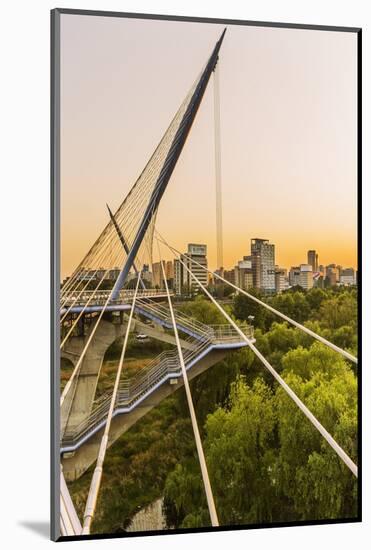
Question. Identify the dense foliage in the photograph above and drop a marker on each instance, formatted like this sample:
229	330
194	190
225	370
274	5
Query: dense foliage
266	462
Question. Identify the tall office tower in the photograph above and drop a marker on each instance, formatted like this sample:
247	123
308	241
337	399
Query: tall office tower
313	260
262	260
196	252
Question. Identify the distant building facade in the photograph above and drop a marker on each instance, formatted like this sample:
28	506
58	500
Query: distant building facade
332	274
183	282
147	275
230	276
312	257
243	273
348	276
301	275
306	276
157	274
178	277
281	280
294	276
262	262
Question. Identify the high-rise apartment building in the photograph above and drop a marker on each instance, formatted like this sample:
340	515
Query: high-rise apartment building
198	253
313	260
262	261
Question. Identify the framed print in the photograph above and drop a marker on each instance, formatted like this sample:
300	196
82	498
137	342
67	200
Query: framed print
206	274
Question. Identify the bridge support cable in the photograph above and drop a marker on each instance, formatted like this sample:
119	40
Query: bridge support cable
135	216
69	522
81	292
101	258
171	158
123	242
327	343
196	433
85	262
65	288
81	312
66	296
218	171
78	364
98	471
330	440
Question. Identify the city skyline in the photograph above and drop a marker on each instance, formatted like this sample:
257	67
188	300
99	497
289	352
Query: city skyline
288	157
277	263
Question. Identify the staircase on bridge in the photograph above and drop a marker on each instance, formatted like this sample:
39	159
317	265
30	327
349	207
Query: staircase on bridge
203	346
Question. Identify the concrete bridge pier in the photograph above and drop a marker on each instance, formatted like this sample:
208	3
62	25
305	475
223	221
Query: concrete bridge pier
77	462
79	402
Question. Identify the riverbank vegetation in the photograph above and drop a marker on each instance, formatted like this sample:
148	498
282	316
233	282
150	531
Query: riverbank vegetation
266	462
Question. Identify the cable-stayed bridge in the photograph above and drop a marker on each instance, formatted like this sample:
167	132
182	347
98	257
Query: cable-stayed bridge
96	310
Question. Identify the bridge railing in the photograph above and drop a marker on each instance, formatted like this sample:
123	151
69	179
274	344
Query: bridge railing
183	321
164	366
131	390
79	298
227	332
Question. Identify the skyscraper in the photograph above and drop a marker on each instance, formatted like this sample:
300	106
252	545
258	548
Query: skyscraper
313	260
263	261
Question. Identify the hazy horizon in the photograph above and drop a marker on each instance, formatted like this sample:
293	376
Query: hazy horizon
288	132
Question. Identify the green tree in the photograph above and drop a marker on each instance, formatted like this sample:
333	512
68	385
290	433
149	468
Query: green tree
308	471
203	310
244	307
339	311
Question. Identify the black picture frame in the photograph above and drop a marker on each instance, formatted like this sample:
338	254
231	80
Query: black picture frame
55	262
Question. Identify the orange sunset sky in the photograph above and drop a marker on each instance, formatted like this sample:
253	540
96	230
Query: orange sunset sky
288	134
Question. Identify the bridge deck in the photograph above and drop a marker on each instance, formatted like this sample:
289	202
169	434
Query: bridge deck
161	370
